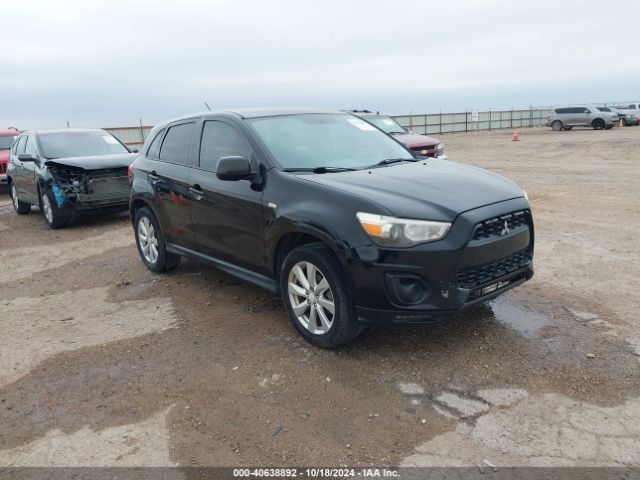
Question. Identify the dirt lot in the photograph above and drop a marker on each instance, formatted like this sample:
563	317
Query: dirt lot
104	363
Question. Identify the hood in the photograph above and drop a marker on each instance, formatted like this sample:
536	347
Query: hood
4	155
427	190
413	140
98	162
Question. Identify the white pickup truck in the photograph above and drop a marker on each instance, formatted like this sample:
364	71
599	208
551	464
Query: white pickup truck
631	109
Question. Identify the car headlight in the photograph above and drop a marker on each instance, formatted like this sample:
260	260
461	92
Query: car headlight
440	149
401	232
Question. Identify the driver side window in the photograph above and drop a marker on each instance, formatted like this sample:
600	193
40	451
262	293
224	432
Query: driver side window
30	147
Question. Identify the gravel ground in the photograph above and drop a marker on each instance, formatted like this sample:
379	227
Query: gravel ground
105	363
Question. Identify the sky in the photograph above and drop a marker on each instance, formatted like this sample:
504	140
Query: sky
111	62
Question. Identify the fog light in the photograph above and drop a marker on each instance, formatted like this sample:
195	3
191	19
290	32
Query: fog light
406	289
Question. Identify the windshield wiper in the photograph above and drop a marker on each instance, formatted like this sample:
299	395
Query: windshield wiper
321	169
389	161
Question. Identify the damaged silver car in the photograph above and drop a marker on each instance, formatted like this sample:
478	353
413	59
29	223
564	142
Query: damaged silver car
68	172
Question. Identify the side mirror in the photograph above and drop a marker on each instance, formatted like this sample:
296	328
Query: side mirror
233	168
27	157
134	150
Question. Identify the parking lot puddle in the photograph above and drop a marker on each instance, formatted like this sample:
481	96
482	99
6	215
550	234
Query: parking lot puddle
518	317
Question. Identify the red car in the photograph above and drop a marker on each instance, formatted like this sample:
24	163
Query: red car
6	140
420	144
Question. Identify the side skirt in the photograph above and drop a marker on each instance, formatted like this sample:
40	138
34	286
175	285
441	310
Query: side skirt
242	273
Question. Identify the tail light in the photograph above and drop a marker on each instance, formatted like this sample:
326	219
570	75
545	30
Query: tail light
130	172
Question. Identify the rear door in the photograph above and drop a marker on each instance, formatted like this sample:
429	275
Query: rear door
27	186
168	166
227	215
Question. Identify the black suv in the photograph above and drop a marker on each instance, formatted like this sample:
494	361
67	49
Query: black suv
326	209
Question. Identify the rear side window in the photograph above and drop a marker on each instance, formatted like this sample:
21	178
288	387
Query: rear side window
560	111
153	148
175	147
219	140
14	147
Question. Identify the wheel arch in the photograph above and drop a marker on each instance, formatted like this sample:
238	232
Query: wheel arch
292	239
135	205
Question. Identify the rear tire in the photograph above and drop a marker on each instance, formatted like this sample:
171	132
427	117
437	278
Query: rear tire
317	297
598	124
151	244
21	208
556	125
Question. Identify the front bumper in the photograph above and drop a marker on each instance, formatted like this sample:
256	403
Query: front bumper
453	274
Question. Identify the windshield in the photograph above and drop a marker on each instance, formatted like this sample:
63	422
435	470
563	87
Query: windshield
309	141
79	144
385	124
6	141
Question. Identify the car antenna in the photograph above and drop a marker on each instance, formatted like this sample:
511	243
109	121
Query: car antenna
207	105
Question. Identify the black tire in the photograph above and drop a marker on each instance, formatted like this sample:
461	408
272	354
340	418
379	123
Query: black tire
21	208
343	326
568	128
54	218
163	261
556	125
598	124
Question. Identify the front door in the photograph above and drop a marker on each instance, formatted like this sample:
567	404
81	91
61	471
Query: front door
26	186
227	215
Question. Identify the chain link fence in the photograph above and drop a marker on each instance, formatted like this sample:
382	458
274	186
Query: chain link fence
473	120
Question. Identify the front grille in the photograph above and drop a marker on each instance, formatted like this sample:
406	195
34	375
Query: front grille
431	151
472	277
494	227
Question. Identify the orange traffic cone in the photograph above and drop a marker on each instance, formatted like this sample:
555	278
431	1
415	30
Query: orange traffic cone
515	137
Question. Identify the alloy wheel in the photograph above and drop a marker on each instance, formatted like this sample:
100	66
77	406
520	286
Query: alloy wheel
46	207
14	197
148	240
311	297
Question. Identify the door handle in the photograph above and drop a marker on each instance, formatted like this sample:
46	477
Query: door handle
196	192
153	175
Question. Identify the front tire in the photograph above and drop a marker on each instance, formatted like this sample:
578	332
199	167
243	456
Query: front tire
19	206
50	211
556	125
317	297
598	124
151	244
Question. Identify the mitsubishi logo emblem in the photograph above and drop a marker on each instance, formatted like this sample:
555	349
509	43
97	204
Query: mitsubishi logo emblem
505	229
